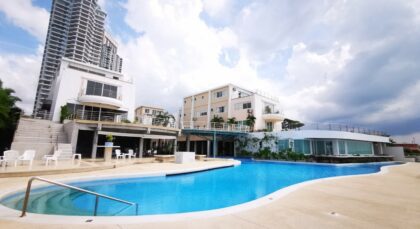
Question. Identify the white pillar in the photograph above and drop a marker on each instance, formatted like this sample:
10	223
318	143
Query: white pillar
95	144
311	147
336	149
195	146
141	147
345	147
175	145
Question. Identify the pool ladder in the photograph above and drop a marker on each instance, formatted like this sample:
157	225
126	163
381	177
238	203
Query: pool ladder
97	195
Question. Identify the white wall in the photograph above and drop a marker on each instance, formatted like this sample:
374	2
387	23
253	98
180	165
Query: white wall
396	151
71	83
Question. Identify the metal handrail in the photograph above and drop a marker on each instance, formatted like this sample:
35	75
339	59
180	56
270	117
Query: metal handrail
28	191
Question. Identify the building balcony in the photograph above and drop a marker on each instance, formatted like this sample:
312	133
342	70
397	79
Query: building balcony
101	100
272	117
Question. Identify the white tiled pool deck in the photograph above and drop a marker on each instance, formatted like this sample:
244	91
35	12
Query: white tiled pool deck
389	199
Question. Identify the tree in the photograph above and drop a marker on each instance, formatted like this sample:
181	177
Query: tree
289	124
64	113
217	119
9	116
231	120
164	119
250	121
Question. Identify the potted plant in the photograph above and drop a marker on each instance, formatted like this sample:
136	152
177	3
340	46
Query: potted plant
109	140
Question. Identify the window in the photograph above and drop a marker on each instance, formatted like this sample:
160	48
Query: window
110	91
146	111
100	89
246	106
221	109
219	94
94	88
203	113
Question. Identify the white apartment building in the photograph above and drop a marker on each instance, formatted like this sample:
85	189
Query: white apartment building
147	114
92	92
231	101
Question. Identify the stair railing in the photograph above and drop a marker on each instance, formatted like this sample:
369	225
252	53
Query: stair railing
97	195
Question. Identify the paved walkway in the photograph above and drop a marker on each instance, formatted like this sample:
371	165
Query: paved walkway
390	200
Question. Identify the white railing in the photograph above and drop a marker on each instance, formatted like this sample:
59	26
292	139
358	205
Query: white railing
42	115
120	118
215	126
338	127
99	116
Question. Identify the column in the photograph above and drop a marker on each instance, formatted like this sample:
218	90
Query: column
311	147
381	149
188	143
208	148
141	147
175	145
234	149
336	149
195	146
214	144
95	144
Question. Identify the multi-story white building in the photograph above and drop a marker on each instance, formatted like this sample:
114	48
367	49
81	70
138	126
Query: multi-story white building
91	91
231	101
75	31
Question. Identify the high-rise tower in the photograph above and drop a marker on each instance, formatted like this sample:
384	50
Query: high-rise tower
75	31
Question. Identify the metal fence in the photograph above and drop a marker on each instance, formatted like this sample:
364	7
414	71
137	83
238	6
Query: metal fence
120	118
215	126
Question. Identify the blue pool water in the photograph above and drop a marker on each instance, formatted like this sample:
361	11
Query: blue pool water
191	192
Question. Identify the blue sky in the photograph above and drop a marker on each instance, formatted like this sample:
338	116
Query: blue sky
331	61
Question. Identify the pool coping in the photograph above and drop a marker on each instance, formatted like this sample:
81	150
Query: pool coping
12	214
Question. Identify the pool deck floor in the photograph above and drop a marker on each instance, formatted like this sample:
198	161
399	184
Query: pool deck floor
386	200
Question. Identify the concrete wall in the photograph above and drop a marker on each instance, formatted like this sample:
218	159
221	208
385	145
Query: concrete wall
396	151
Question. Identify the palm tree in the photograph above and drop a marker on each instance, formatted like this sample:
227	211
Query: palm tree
9	115
164	119
217	119
231	120
250	121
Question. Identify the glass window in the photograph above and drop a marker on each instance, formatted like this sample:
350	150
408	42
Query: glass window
99	89
146	111
246	105
93	88
219	94
221	109
359	147
302	146
110	91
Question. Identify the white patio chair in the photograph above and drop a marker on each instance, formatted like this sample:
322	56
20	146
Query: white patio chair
154	152
130	154
9	156
54	157
149	153
118	154
28	155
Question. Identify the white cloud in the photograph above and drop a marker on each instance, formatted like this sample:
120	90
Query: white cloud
20	72
27	16
178	53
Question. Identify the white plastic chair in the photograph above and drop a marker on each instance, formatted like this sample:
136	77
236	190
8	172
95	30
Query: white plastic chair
130	154
154	152
9	156
28	155
53	157
118	154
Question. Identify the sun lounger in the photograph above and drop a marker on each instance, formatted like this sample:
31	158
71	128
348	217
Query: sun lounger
54	157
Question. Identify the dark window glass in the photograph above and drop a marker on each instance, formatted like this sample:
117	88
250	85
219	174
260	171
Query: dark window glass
110	91
94	88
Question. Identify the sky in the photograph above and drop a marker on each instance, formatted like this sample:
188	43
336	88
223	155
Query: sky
352	62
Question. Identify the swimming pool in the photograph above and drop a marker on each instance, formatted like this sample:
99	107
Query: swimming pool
182	193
